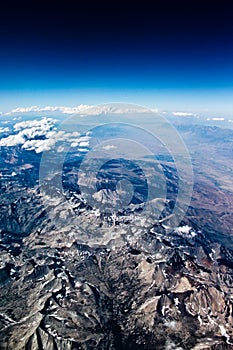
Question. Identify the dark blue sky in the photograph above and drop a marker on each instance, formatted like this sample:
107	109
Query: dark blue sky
173	55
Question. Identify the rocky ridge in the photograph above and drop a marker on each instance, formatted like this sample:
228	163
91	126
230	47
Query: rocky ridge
147	289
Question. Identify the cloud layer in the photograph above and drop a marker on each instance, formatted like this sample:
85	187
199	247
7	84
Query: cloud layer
184	114
81	109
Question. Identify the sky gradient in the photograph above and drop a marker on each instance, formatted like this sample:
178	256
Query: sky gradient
173	56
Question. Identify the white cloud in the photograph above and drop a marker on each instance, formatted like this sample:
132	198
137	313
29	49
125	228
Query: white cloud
185	230
82	141
83	109
2	130
84	144
62	109
83	150
108	147
13	140
42	135
184	114
27	131
216	119
24	109
39	145
44	123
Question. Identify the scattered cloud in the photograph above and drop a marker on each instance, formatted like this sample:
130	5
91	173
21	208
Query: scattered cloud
185	230
39	145
216	119
83	150
26	131
2	130
43	124
42	135
184	114
83	144
13	140
108	147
